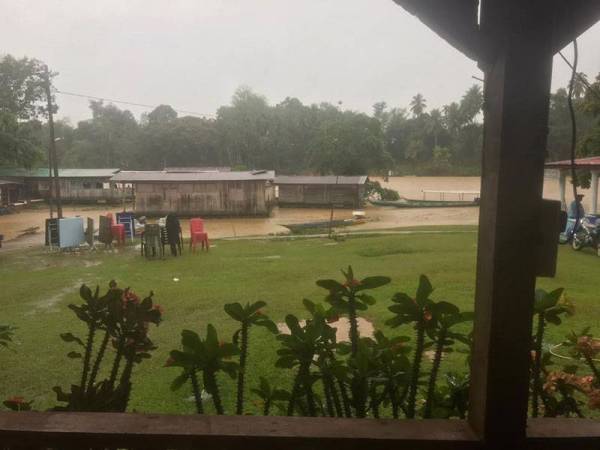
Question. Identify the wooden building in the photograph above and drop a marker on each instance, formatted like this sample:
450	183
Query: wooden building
11	192
76	185
514	43
157	193
321	191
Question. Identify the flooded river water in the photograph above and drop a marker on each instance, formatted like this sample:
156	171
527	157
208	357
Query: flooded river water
13	225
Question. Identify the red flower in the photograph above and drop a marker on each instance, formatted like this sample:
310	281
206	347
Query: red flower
130	297
397	346
259	313
333	319
169	362
159	308
352	283
427	315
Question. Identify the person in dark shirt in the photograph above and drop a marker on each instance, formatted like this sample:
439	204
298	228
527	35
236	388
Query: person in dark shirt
173	232
573	216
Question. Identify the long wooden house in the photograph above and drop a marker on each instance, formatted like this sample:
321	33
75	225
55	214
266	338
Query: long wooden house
201	193
321	191
11	192
76	185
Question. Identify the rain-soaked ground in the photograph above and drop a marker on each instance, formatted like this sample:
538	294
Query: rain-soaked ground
13	226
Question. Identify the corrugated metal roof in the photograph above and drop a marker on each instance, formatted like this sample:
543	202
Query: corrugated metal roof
162	176
593	161
329	179
198	169
62	173
9	182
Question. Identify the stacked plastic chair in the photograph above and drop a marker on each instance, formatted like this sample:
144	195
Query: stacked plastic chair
197	234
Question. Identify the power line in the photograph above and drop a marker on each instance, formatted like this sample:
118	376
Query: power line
583	80
124	102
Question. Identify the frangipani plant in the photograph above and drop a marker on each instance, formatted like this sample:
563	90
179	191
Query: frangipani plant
548	307
124	318
209	357
417	310
298	350
348	298
269	395
446	317
248	316
393	366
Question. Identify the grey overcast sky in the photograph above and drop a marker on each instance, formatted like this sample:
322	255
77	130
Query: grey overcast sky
193	54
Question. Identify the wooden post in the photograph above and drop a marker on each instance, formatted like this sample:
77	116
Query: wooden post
52	148
594	209
517	92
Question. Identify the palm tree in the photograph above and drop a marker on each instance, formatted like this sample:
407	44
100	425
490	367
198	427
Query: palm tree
471	103
580	84
418	105
453	117
435	125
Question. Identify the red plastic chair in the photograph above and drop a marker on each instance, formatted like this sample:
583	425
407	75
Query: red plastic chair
197	234
118	233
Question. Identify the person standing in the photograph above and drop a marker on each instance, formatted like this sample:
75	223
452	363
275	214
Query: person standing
173	232
575	214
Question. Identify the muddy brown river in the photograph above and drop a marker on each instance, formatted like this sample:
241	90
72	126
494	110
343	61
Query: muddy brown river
14	225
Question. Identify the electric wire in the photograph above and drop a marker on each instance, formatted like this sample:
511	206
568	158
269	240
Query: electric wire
124	102
585	82
574	134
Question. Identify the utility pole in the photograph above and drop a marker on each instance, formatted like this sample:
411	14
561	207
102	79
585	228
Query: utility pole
50	184
53	159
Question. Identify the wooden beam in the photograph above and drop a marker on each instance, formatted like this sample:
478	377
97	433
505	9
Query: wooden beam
453	20
517	92
559	434
83	430
573	18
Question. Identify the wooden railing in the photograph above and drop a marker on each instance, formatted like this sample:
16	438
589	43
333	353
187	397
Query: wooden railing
37	430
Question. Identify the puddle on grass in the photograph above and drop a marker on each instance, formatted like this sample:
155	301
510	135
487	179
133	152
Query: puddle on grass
252	258
49	304
91	263
342	325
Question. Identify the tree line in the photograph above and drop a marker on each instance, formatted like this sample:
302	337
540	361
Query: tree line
290	136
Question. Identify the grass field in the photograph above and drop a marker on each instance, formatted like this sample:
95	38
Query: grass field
36	288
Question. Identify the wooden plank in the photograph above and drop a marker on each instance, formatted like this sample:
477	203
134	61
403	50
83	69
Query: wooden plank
516	116
453	20
572	434
231	432
573	18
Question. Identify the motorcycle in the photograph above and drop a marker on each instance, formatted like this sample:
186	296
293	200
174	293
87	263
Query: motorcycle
587	234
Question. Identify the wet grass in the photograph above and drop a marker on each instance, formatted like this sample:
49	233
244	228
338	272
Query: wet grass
36	288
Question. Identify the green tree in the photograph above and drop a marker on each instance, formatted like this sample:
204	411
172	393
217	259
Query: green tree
471	104
22	102
349	144
418	105
108	139
162	114
243	129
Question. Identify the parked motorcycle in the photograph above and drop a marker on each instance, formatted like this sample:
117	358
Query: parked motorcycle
587	234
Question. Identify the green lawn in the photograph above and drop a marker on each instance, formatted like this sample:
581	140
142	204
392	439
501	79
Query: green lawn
36	288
